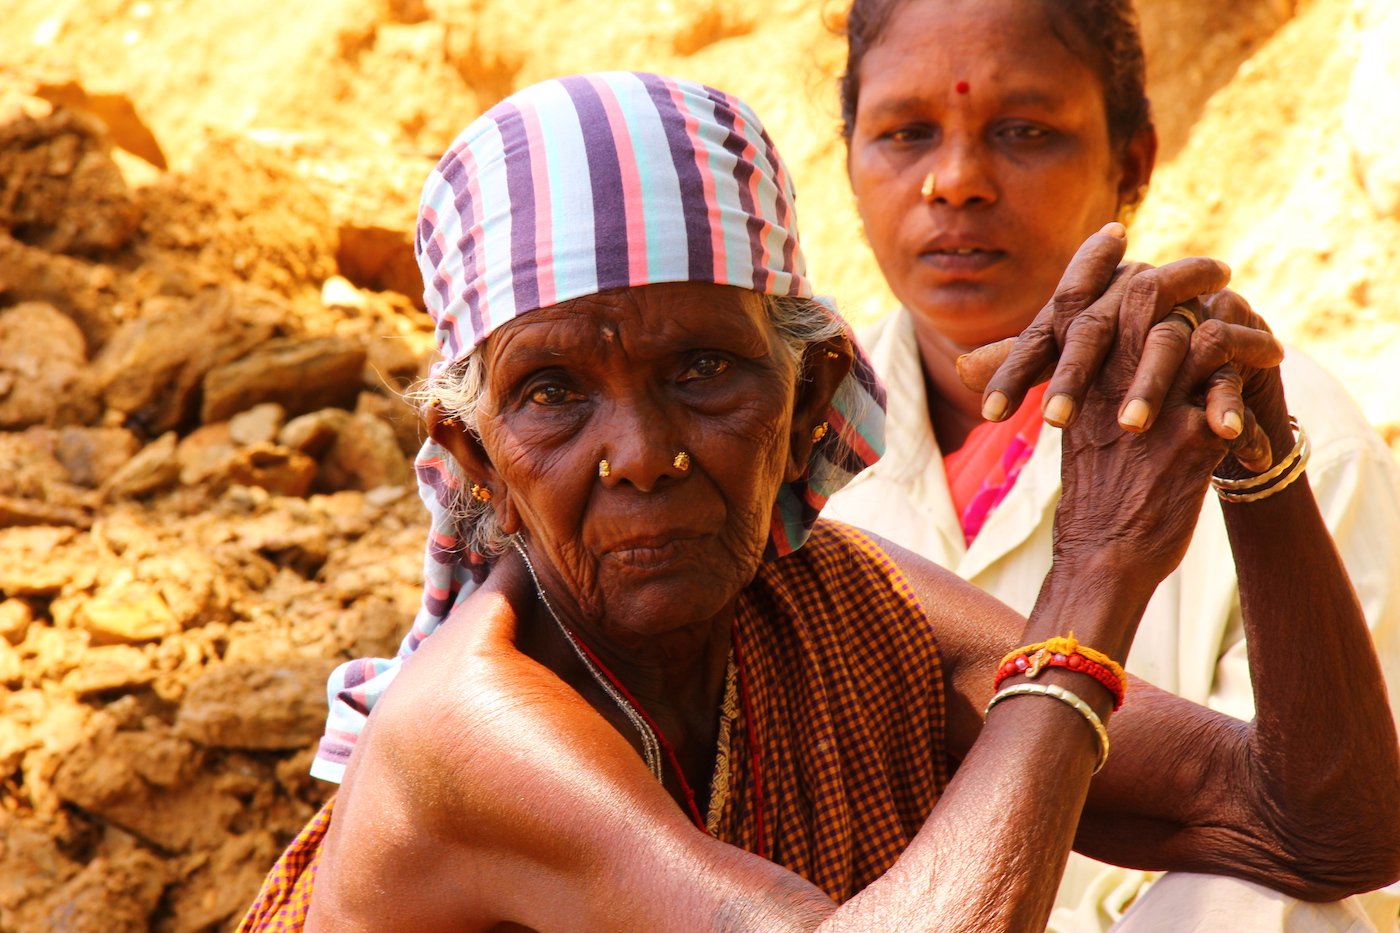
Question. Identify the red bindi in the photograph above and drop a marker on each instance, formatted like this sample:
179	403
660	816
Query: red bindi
962	87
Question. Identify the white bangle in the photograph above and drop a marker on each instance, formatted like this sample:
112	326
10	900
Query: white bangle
1282	474
1066	697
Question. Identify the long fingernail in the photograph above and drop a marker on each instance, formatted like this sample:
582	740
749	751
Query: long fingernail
1059	409
1134	415
1232	423
994	406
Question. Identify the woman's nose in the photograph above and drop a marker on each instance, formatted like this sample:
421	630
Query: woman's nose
641	448
959	175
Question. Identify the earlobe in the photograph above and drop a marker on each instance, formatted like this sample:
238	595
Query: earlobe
1139	159
453	436
824	366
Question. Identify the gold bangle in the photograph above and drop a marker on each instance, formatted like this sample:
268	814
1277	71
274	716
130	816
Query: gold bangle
1066	697
1300	450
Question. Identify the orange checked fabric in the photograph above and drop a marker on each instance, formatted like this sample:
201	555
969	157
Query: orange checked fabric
281	905
847	697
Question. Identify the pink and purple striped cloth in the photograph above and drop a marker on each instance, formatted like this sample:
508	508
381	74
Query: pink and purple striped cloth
565	189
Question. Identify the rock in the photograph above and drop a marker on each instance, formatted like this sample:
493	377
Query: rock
302	375
29	470
153	469
11	666
109	667
398	414
149	783
380	258
256	706
17	512
92	455
122	125
315	432
257	425
392	365
365	454
128	613
37	562
206	453
107	896
152	368
82	290
279	470
15	616
339	292
43	368
59	189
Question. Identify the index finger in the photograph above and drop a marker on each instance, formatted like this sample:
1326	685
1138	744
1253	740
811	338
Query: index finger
1086	277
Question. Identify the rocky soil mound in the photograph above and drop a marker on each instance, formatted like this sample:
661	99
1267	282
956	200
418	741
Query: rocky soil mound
208	313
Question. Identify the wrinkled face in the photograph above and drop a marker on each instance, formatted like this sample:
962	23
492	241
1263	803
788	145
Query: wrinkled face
633	377
1012	124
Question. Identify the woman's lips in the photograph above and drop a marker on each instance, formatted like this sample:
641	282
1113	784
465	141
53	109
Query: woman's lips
653	552
961	260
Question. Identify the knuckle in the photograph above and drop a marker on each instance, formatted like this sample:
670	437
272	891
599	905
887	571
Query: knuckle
1144	288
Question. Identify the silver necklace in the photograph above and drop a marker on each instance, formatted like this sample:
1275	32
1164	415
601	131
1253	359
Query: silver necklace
651	749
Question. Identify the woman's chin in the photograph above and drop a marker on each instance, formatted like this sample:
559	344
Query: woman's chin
971	314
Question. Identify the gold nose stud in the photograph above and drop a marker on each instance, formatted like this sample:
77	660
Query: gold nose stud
682	462
604	469
929	187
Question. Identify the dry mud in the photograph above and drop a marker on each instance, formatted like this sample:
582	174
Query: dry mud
207	314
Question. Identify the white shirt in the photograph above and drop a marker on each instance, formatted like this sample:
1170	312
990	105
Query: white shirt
1191	639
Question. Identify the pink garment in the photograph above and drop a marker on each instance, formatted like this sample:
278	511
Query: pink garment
982	471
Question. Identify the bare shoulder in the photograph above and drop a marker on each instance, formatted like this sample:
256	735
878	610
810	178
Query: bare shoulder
425	806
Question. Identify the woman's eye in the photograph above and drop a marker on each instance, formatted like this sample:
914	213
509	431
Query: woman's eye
550	395
705	367
908	134
1024	132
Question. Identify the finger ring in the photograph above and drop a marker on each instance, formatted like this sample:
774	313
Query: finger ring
1187	315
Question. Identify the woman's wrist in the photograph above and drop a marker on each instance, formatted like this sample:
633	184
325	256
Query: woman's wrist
1098	599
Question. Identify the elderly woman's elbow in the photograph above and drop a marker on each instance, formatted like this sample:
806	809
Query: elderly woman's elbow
1345	866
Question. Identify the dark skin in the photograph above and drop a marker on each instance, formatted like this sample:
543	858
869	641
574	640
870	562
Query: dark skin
498	786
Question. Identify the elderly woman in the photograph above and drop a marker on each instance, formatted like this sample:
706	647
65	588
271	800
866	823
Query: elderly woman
986	141
650	690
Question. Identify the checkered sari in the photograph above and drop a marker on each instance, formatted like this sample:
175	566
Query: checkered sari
846	695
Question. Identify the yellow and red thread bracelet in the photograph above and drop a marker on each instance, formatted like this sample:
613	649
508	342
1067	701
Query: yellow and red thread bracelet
1066	652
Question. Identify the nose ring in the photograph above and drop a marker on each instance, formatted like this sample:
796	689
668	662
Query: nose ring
604	469
682	462
929	187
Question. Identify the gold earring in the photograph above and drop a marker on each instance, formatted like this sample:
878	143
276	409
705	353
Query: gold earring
819	431
1127	211
604	469
682	462
929	187
480	493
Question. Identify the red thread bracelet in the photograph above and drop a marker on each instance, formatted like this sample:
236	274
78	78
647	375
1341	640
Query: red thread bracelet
1025	664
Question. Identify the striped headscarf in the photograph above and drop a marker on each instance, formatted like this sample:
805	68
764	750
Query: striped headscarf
568	188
